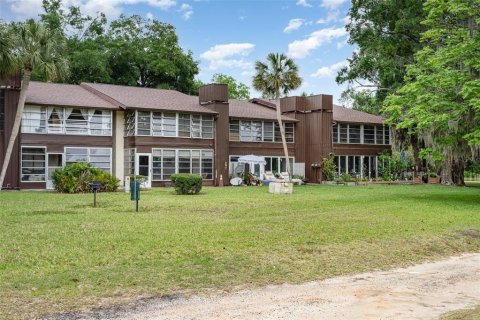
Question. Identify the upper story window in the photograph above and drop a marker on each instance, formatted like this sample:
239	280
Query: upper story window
168	124
360	134
58	120
247	130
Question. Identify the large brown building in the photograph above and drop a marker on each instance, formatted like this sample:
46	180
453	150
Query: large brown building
156	133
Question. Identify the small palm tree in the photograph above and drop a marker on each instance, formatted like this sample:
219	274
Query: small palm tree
279	75
26	47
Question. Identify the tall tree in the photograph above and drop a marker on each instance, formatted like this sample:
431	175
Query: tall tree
387	34
236	90
29	46
440	99
278	75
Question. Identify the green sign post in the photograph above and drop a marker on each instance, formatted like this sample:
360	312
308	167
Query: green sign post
135	191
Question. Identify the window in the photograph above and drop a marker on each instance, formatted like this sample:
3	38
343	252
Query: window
353	133
234	130
33	164
97	157
58	120
245	130
143	123
2	110
288	132
129	161
129	123
207	127
170	161
379	134
387	135
184	125
34	119
278	164
335	134
343	133
369	134
196	125
268	131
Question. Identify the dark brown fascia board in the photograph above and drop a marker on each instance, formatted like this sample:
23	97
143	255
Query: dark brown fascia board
171	110
360	122
263	103
113	108
263	119
103	96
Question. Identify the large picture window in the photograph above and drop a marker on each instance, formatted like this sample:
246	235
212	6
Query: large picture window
98	157
33	166
247	130
58	120
170	161
360	133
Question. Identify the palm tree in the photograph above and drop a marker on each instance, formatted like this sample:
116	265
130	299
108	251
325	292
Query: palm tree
279	75
27	47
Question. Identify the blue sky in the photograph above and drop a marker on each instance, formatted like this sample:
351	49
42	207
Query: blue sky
229	36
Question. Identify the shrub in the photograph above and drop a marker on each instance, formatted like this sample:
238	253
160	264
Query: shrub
329	168
76	178
345	177
185	183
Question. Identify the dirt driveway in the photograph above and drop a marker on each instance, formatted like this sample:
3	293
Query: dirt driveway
423	291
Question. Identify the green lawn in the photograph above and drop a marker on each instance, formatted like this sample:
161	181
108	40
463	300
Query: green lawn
58	253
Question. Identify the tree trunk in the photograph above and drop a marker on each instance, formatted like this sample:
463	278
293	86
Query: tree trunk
282	133
457	172
16	125
447	168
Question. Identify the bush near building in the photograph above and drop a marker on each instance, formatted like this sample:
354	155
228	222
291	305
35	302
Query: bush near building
76	178
187	183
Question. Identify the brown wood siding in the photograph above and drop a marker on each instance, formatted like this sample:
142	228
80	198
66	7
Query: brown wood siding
14	81
319	142
345	149
213	92
33	185
300	137
57	143
12	178
221	145
260	148
145	144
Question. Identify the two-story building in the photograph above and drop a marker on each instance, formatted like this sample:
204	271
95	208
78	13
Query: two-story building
156	133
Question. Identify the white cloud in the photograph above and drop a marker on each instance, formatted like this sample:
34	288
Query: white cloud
293	24
333	16
326	72
228	55
303	3
149	16
332	4
186	10
301	48
112	8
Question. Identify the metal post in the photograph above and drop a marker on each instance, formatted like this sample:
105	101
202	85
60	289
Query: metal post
95	198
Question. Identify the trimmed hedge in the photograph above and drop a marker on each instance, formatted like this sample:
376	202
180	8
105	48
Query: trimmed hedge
75	178
185	183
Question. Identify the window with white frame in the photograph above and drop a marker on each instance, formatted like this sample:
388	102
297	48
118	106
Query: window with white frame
353	133
170	161
59	120
33	164
165	124
98	157
129	161
251	130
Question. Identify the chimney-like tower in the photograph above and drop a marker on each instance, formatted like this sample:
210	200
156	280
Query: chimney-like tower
215	97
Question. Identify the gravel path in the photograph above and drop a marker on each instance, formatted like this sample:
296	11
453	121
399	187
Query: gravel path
423	291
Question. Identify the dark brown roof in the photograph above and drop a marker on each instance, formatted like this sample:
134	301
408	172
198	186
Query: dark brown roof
56	94
149	98
343	114
249	110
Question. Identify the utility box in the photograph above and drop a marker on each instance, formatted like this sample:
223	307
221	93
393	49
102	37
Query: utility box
134	190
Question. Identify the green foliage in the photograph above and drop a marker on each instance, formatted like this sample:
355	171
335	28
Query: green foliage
236	90
391	166
439	100
387	34
185	183
128	51
75	178
345	177
329	168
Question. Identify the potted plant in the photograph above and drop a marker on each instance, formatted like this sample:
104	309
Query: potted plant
433	178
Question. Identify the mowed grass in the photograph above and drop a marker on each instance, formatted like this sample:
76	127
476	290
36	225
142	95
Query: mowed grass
58	253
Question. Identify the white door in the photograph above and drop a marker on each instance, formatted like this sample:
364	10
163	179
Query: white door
55	161
143	167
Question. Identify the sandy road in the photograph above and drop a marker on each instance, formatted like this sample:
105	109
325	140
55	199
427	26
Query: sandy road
423	291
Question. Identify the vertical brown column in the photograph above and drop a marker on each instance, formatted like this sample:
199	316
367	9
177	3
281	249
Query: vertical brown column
215	97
